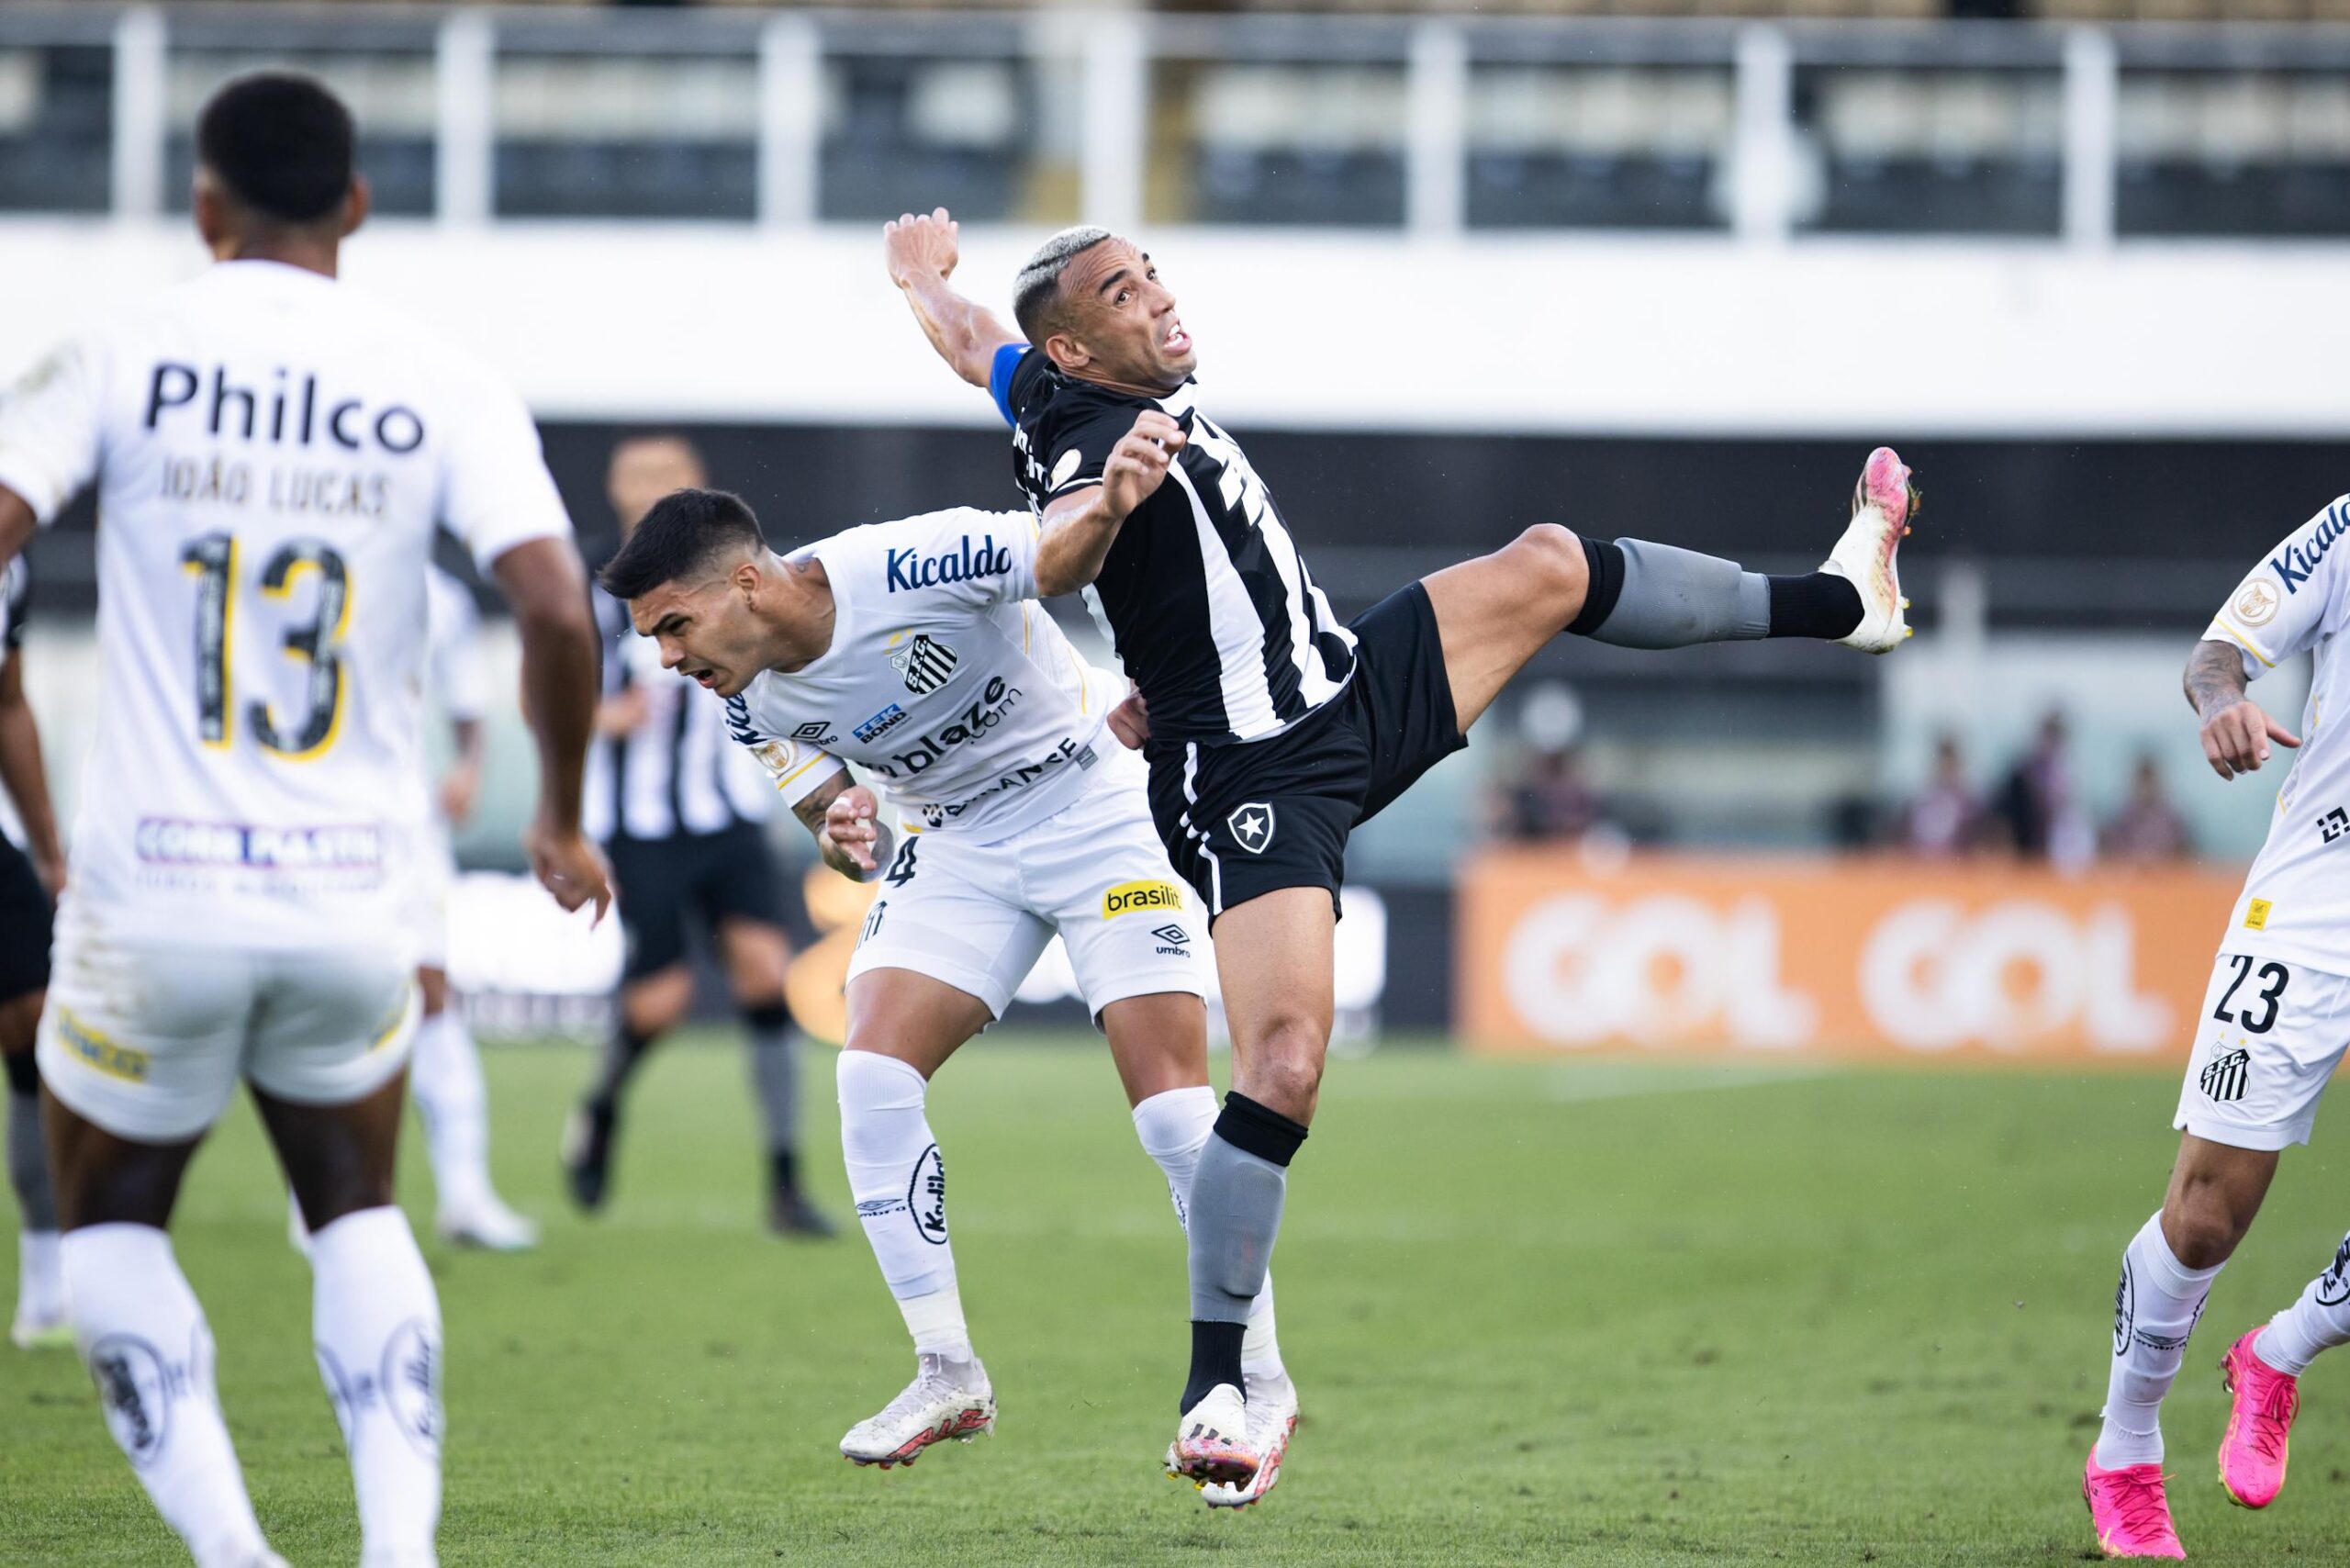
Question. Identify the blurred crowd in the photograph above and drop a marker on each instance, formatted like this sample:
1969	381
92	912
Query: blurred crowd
2032	810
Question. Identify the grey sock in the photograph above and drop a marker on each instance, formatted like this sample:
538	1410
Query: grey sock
1673	598
1235	1215
28	1163
774	1075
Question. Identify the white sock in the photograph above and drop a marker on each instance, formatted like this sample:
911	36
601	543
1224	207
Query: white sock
40	1274
2154	1309
444	1074
1174	1127
2318	1321
144	1339
376	1323
899	1184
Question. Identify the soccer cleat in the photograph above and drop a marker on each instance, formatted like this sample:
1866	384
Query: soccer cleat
1273	1418
1882	503
2253	1454
788	1214
947	1399
588	1155
2129	1510
45	1330
488	1225
1211	1441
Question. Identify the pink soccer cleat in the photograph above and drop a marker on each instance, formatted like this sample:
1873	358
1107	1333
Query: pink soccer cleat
2251	1456
2129	1511
1883	504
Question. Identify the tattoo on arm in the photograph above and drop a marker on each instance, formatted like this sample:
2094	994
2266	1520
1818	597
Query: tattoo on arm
2215	677
812	806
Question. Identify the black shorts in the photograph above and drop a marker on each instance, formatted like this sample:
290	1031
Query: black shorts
725	875
24	913
1241	819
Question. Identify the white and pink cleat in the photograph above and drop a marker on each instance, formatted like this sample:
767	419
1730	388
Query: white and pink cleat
1882	503
2253	1454
2130	1511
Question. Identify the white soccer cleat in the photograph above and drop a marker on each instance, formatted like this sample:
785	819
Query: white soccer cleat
947	1399
1211	1441
40	1329
1882	503
40	1323
1273	1418
486	1223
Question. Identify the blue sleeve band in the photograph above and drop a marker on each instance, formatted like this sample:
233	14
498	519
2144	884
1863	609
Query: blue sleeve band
1007	359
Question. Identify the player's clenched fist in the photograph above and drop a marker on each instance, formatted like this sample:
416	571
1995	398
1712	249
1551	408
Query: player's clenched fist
1139	463
850	827
915	246
2235	739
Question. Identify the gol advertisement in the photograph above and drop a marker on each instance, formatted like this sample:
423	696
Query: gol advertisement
1867	959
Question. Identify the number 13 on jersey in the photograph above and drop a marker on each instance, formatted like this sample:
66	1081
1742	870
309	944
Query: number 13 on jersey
212	561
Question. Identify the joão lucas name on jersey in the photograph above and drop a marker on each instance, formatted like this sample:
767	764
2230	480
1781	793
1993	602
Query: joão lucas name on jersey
910	570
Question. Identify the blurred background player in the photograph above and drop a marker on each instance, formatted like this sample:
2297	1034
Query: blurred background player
30	884
445	1075
915	649
2273	1026
684	820
243	906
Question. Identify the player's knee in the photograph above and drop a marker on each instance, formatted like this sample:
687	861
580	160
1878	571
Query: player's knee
432	988
2204	1222
1549	561
1285	1068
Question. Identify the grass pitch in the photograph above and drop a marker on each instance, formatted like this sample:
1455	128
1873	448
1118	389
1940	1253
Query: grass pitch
1540	1312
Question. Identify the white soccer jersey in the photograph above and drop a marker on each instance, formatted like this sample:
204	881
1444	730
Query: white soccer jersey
2297	898
944	679
272	450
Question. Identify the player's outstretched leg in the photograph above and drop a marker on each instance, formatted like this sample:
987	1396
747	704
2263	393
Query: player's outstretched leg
1495	613
2263	1374
446	1076
1174	1127
41	1320
899	1183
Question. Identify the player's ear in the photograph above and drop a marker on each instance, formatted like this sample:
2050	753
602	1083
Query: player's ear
1066	353
357	203
212	211
748	578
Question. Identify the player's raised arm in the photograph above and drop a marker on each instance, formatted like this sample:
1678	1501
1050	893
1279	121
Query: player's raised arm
921	253
546	585
1081	525
2282	607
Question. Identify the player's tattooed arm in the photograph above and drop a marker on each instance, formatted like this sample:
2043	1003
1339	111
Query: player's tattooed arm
921	253
841	816
1079	527
2235	732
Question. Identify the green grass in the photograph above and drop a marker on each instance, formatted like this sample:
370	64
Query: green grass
1587	1313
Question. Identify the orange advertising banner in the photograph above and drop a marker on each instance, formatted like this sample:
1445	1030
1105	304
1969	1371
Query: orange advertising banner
1848	958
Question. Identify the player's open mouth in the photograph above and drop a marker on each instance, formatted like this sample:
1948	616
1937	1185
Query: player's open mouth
1177	340
705	677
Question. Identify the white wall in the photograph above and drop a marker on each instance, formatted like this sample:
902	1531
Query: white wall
1602	335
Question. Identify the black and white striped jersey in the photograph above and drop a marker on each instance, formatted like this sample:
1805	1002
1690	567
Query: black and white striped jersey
678	771
1203	593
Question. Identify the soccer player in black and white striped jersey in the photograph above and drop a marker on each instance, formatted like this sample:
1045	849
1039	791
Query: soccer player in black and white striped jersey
1274	729
681	814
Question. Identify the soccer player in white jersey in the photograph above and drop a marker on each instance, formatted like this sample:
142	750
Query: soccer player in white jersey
2273	1026
270	452
914	650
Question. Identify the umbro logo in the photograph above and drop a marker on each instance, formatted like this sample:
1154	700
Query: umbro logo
2334	825
817	734
925	663
2223	1080
1253	826
1174	933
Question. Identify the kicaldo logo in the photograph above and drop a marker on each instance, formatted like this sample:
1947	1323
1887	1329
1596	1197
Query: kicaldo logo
1793	958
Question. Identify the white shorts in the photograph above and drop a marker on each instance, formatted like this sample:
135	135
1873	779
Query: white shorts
2266	1043
979	915
148	1039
